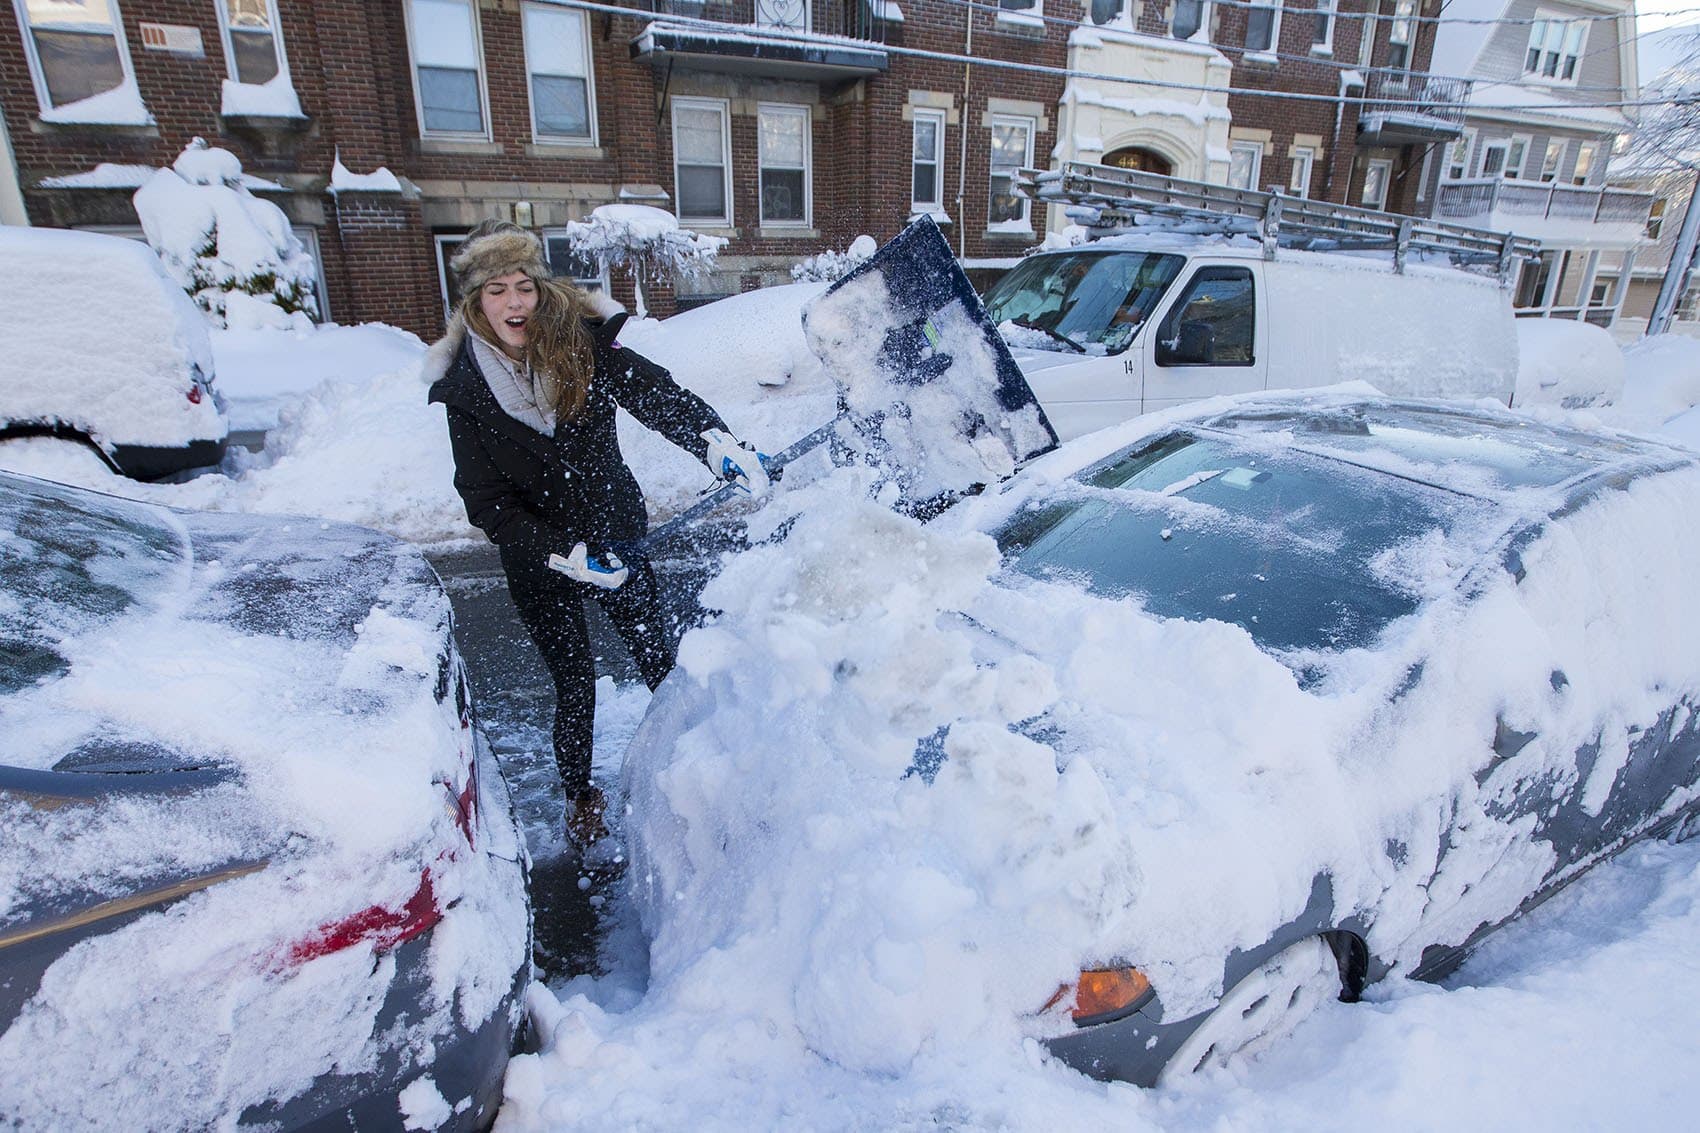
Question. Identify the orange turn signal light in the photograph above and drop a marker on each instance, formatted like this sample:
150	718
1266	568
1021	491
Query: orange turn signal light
1102	993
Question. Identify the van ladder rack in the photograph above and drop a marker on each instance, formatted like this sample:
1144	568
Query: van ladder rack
1106	200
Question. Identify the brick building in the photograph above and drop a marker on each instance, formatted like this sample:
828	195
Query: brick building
785	126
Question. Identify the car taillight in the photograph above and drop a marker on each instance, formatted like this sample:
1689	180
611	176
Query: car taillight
194	395
381	926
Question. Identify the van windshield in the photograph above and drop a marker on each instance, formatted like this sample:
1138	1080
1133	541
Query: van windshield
1080	302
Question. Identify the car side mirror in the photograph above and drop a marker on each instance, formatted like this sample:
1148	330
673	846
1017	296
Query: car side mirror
1194	345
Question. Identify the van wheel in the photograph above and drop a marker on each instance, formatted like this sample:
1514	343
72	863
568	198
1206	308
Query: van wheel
1261	1010
69	458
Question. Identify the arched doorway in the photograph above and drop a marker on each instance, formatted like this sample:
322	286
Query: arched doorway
1140	158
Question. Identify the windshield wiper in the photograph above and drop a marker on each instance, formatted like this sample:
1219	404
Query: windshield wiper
1058	335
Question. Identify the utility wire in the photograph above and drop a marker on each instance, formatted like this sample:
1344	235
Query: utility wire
810	38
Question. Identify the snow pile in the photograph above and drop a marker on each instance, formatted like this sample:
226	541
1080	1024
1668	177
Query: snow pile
344	180
1566	362
831	266
1662	382
262	373
116	351
118	106
234	253
275	98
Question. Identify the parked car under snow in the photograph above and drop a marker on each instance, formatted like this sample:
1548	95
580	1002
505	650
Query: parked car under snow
257	865
103	348
1205	719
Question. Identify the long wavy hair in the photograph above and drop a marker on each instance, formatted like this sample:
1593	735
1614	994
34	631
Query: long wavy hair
558	345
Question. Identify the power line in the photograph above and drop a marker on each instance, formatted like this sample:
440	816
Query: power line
810	38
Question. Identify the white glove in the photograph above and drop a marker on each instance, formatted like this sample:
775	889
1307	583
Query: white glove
736	462
604	570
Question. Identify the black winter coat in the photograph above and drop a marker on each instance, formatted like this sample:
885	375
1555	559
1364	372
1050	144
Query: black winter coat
534	494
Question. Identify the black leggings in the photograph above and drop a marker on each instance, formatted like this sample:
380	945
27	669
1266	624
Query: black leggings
552	608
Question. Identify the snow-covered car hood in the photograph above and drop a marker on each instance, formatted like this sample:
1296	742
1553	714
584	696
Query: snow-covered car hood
1115	787
1036	361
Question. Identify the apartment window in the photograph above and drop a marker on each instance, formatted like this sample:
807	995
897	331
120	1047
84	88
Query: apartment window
1493	158
1106	11
76	49
447	74
1552	159
1377	176
557	61
1304	159
702	169
1399	33
1584	163
927	162
1034	8
448	286
1555	48
1322	33
1012	149
253	43
792	15
1262	25
1656	218
1516	156
1458	156
1601	294
1189	18
565	263
783	158
1505	157
1245	161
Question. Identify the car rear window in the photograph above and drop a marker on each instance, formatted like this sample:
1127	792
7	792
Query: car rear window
1303	552
71	560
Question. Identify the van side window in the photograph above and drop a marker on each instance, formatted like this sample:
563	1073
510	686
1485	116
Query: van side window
1212	322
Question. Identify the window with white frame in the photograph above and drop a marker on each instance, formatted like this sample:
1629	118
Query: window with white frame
1189	19
565	263
1322	33
1555	48
1012	149
76	49
253	41
1656	218
1245	162
1107	11
1399	31
1517	155
447	69
702	167
1584	163
1378	175
782	144
1493	158
1458	156
1304	160
1262	25
1553	158
926	193
557	62
1035	8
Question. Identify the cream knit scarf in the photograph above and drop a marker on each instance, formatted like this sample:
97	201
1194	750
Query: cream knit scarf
518	390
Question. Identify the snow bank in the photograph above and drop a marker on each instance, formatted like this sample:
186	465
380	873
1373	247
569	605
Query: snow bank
1568	363
264	371
116	351
1662	378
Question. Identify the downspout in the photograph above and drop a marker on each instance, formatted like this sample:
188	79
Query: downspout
1346	80
962	156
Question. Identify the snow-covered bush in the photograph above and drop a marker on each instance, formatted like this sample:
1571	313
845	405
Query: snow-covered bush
643	241
831	266
218	240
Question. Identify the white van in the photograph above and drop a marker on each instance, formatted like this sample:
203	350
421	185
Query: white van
1128	324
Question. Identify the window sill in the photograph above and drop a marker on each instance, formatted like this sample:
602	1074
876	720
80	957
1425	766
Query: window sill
940	217
458	146
1262	58
1009	233
267	123
566	151
104	129
1023	24
710	227
1327	51
787	232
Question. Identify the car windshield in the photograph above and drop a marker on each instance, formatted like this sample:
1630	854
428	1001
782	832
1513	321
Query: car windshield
1303	552
71	560
1096	301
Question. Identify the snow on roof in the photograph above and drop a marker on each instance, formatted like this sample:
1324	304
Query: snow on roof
109	175
1458	45
749	34
1197	111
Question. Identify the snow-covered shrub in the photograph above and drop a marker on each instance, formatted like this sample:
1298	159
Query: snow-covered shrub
643	241
831	266
218	240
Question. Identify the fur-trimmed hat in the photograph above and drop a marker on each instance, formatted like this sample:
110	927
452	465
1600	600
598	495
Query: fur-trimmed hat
495	248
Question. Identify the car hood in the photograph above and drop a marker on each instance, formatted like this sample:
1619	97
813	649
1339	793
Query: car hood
1037	361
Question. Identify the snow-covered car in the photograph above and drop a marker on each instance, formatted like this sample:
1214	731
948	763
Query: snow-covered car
102	347
1204	720
257	865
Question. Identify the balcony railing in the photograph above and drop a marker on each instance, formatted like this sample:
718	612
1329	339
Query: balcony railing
854	19
1510	201
1402	108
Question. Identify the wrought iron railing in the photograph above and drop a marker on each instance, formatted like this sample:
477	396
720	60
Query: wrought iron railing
855	19
1392	91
